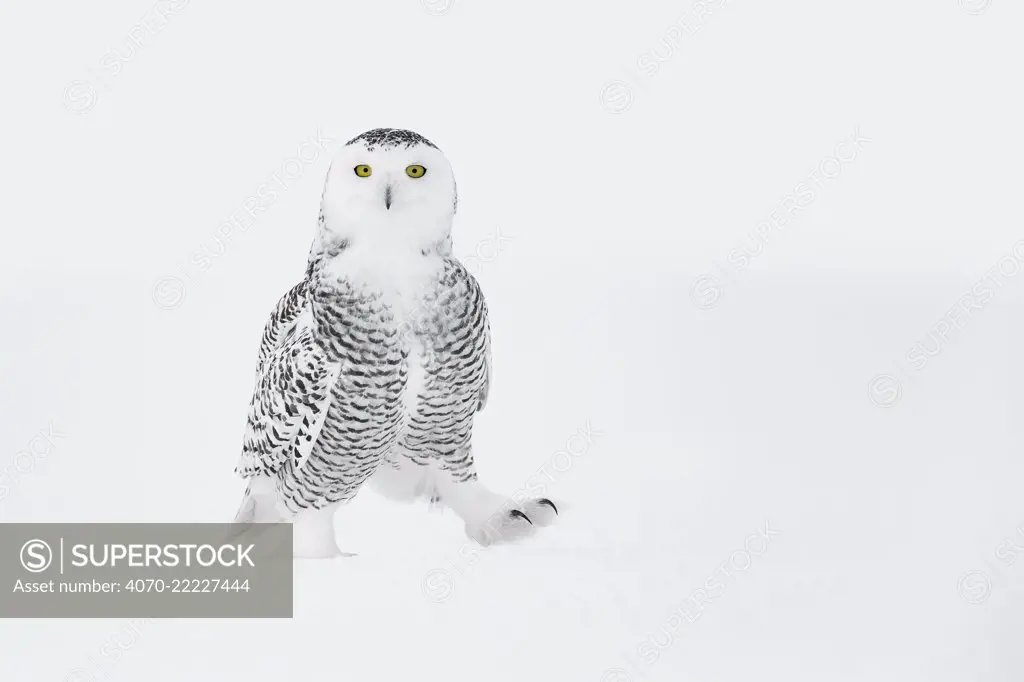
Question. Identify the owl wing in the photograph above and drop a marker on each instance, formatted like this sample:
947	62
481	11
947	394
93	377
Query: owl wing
291	398
479	329
282	319
486	390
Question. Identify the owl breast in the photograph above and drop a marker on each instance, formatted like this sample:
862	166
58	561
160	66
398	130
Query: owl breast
413	364
447	351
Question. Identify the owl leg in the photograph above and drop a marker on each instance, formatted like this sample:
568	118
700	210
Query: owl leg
489	516
300	490
313	534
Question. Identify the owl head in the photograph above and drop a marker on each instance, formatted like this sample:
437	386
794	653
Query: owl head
389	187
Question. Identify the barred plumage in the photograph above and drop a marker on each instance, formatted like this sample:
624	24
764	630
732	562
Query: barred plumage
374	365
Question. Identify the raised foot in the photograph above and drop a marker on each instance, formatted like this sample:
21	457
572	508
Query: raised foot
513	521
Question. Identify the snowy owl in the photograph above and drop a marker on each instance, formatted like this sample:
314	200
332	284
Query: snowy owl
374	365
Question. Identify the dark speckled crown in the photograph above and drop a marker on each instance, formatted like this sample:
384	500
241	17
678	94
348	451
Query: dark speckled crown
389	138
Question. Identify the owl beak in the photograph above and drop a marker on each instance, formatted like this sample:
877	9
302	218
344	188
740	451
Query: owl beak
387	197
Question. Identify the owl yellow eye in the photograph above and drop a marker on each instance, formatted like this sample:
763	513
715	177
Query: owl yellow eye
415	171
363	171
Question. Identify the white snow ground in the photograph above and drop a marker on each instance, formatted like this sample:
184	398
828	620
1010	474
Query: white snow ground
616	192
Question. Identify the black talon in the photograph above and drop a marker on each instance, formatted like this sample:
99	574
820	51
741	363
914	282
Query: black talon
548	502
516	512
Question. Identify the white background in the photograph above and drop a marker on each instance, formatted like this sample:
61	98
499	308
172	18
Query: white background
718	405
